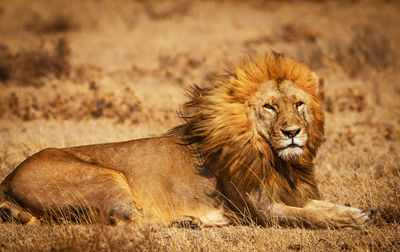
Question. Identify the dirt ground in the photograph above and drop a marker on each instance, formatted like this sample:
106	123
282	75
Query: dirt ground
83	72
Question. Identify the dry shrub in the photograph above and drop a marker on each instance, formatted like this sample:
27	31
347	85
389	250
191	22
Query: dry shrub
27	67
369	49
119	105
66	102
169	63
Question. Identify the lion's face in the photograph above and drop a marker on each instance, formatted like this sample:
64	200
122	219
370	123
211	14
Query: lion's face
282	115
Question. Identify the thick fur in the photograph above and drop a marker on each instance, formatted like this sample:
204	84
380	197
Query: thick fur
245	151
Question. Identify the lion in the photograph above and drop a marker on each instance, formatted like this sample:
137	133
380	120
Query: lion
244	153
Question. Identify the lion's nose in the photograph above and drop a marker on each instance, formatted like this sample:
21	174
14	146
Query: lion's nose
291	133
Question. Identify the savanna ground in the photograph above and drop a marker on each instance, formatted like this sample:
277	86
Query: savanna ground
83	72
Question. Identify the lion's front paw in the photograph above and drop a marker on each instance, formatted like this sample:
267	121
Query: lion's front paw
344	216
189	222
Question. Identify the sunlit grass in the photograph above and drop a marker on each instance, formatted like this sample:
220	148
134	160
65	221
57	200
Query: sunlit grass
124	78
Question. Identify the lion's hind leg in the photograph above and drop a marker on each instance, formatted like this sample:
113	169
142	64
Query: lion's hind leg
104	197
56	185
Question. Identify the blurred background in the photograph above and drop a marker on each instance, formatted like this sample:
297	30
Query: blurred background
82	72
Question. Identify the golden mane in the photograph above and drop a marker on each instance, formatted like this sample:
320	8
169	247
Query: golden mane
218	128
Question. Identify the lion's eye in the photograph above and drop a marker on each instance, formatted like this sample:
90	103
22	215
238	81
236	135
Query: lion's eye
298	104
270	107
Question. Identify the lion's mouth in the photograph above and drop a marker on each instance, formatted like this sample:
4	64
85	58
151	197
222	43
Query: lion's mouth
290	151
292	145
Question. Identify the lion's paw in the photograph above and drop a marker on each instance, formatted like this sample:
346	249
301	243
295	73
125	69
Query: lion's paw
344	216
187	222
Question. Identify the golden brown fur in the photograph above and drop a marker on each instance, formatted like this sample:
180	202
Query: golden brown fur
247	145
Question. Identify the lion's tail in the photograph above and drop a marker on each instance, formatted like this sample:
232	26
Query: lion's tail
3	189
4	210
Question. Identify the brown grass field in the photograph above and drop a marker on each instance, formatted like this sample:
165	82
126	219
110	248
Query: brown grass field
83	72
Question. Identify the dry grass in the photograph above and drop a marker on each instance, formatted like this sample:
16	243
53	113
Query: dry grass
28	67
90	72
